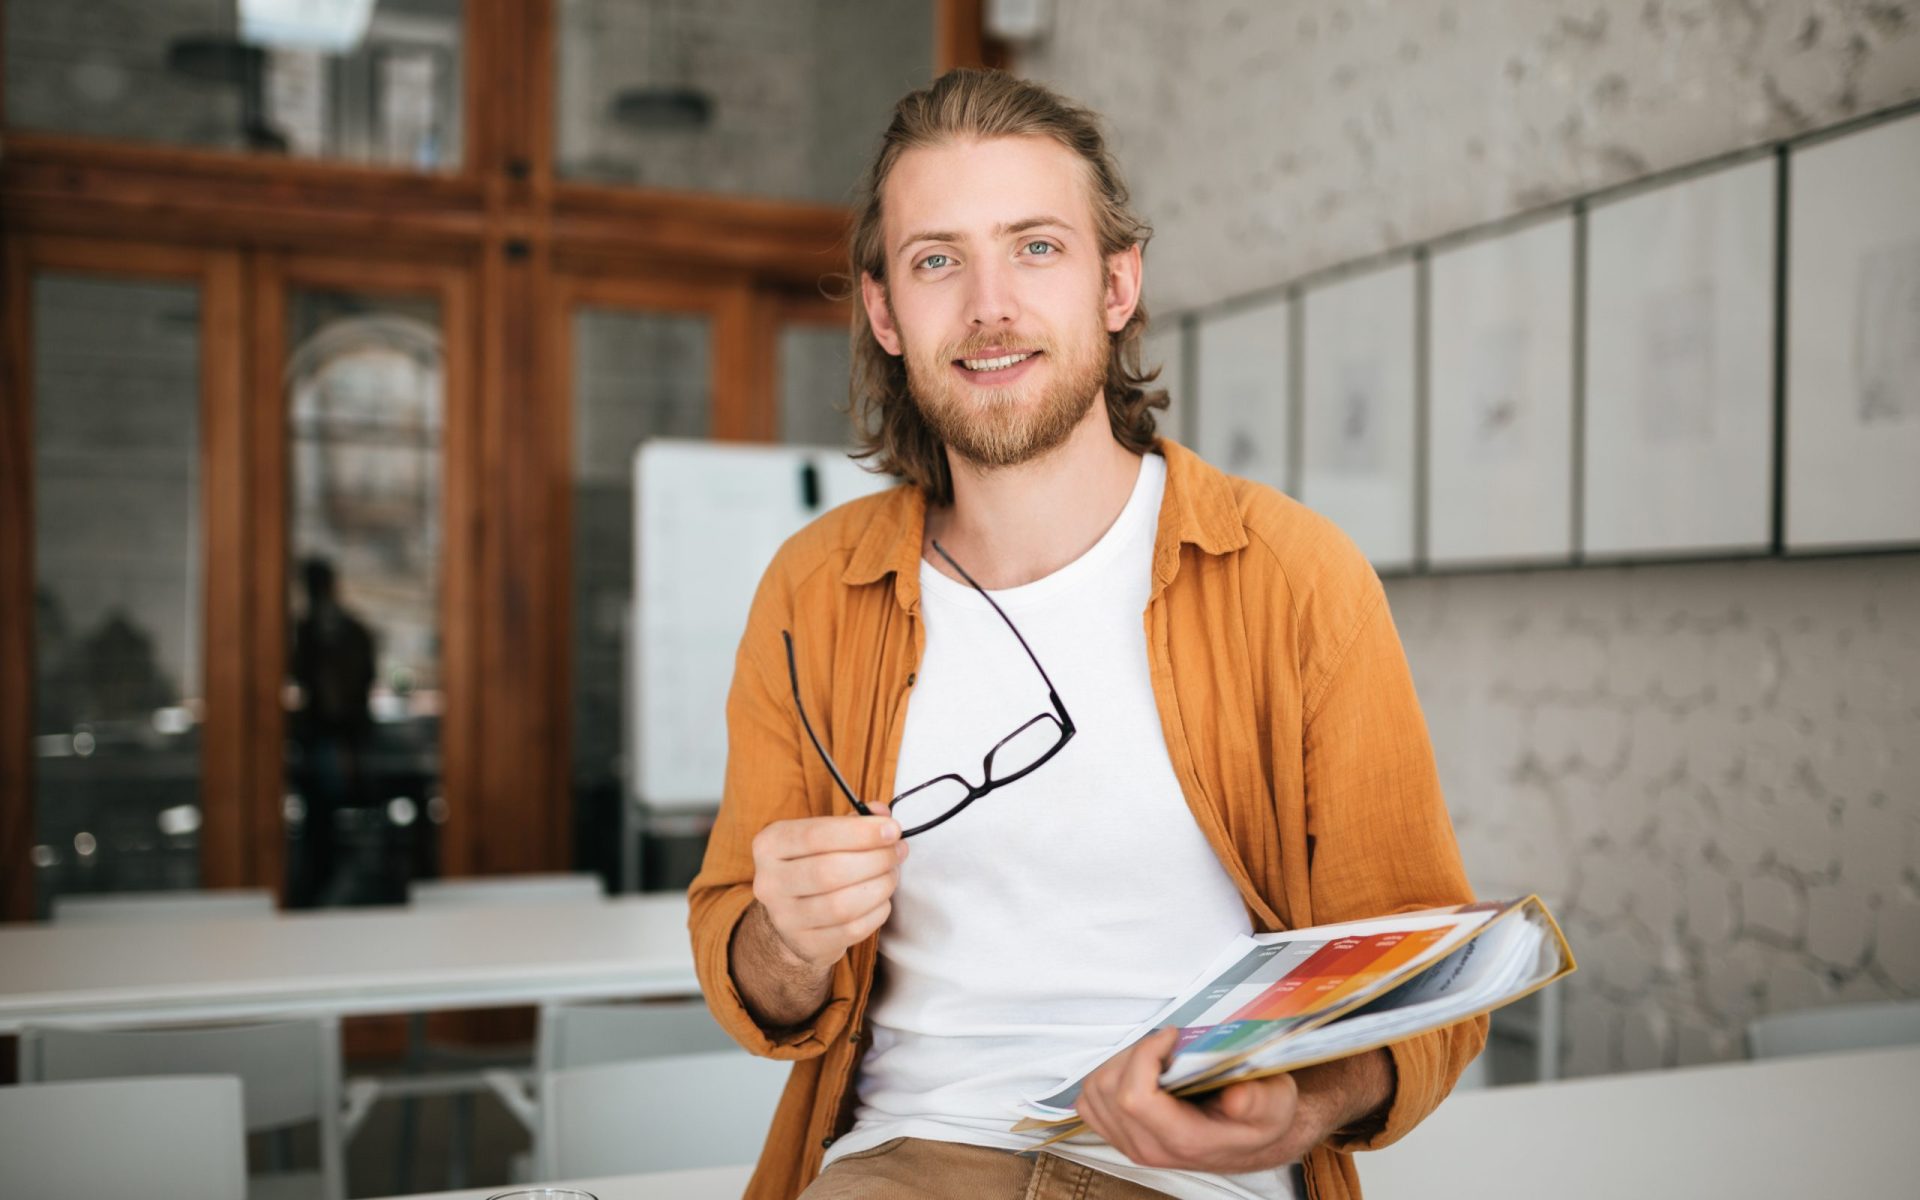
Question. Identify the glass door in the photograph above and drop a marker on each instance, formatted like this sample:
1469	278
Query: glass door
118	519
360	637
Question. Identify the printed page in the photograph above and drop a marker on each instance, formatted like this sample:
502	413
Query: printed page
1274	984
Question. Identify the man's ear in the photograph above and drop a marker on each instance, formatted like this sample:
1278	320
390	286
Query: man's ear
873	295
1122	293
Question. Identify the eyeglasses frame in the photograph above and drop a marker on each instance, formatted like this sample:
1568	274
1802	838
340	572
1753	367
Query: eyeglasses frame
1059	716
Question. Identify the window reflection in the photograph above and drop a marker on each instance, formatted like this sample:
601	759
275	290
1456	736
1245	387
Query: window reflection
780	100
354	80
117	576
366	395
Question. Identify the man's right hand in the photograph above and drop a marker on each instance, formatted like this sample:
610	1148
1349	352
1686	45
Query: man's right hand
822	884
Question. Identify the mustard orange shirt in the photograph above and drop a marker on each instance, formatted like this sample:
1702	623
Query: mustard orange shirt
1288	710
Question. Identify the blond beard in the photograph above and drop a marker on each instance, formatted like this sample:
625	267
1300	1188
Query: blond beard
990	427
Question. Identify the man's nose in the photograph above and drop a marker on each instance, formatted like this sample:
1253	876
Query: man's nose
993	299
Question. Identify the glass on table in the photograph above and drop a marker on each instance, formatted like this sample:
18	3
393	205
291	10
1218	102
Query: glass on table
544	1193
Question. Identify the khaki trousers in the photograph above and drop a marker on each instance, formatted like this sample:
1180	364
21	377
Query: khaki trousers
917	1169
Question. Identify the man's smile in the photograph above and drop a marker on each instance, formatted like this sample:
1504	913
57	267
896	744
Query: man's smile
996	368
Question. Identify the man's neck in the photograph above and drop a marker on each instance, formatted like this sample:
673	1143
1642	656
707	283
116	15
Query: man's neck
1014	525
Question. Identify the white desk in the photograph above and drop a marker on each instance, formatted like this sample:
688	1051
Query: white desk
345	962
705	1183
1823	1125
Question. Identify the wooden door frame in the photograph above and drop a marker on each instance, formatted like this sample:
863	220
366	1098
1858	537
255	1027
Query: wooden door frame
452	287
224	502
525	238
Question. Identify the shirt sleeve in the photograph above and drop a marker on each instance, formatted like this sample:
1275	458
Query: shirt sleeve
1379	838
765	782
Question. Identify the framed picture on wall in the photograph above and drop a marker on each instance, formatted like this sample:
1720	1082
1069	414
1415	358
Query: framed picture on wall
1500	397
1242	400
1165	346
1678	438
1853	339
1357	409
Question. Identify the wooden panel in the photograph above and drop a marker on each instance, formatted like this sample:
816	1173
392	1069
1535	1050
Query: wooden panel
16	585
68	185
461	508
602	229
227	853
960	39
266	334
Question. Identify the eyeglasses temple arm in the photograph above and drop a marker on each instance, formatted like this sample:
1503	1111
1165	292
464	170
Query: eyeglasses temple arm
793	676
1052	694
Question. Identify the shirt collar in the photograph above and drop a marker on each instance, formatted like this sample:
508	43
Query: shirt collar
1199	508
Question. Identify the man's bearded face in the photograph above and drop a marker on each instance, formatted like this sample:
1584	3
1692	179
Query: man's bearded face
1003	423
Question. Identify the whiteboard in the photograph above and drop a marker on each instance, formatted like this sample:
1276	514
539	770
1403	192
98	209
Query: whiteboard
708	518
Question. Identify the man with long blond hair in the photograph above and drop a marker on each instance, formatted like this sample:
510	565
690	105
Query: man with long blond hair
1124	706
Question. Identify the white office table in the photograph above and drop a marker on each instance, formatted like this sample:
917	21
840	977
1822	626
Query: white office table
345	962
702	1183
1821	1125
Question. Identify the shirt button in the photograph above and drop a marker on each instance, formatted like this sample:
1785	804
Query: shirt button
911	677
826	1143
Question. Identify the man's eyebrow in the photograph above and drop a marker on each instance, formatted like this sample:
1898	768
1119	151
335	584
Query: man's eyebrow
1001	230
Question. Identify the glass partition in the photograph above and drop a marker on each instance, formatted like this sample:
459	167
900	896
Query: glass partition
815	364
636	375
117	585
347	80
773	98
366	403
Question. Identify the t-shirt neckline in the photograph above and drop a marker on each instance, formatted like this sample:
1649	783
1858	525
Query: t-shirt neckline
1139	516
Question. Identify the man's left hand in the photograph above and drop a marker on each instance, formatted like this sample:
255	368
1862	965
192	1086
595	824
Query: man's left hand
1249	1126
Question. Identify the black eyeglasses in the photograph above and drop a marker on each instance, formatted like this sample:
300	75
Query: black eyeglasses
1013	757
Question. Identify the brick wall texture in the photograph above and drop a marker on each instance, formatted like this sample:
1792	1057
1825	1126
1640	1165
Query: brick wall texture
1711	771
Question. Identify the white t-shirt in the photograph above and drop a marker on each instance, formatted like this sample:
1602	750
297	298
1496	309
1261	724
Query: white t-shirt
1035	929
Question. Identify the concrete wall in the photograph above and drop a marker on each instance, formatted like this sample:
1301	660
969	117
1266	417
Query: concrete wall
1710	771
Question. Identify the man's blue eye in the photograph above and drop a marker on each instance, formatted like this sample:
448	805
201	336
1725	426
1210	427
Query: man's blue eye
1043	248
928	260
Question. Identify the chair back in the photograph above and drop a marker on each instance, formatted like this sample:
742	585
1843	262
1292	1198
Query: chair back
550	888
1834	1028
585	1035
158	1139
656	1114
289	1070
120	908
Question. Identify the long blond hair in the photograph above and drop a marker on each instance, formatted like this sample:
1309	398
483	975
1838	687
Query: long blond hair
974	103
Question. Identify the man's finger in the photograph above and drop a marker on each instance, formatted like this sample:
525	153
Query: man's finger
1143	1064
1132	1110
824	874
843	907
825	835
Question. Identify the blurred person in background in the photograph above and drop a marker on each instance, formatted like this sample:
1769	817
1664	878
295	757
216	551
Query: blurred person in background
333	663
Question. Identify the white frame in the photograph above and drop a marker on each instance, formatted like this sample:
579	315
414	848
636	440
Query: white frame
1852	459
1358	348
1500	328
1241	397
1679	378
